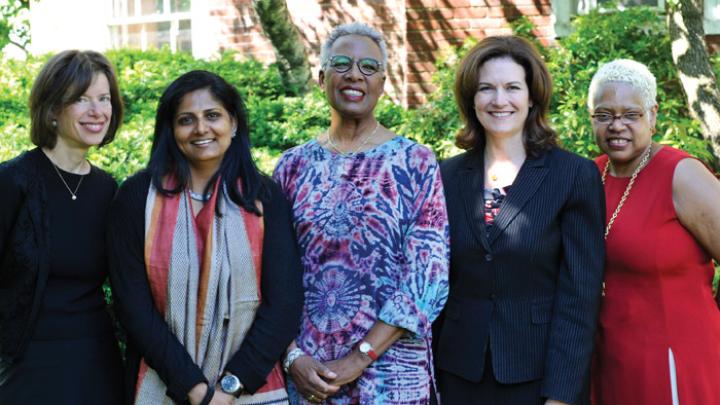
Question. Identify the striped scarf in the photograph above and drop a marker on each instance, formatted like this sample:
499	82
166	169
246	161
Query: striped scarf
200	271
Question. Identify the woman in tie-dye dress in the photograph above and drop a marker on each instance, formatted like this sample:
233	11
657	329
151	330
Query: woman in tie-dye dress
369	214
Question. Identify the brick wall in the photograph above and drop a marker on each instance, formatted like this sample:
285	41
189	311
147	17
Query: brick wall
434	25
417	31
237	27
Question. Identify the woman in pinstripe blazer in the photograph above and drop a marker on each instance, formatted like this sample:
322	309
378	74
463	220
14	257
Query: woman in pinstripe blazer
526	230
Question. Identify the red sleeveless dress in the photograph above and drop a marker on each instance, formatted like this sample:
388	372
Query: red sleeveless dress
658	299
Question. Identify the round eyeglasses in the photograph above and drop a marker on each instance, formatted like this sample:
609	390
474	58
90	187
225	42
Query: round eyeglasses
627	118
367	66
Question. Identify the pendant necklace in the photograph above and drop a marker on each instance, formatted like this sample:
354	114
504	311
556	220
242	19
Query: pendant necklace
73	193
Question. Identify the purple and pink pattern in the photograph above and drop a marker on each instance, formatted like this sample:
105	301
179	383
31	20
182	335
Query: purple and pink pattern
374	234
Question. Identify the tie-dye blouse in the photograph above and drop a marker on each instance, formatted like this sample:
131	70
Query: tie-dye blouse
374	236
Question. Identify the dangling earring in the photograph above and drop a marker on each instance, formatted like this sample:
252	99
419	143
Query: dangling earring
234	133
54	123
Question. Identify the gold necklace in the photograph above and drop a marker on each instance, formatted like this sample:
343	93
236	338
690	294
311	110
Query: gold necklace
362	144
643	163
72	193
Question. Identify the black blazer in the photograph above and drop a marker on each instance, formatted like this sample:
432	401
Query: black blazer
529	289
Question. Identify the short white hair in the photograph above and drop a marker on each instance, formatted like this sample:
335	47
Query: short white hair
355	28
628	71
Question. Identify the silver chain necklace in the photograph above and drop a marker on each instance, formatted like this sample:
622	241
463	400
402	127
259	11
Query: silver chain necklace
362	144
199	197
73	193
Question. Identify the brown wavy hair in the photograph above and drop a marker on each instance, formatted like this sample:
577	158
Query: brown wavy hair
537	136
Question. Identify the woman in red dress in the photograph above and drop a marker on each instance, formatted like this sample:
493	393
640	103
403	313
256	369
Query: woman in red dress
659	332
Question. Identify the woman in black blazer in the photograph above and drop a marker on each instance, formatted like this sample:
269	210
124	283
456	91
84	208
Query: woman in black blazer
527	253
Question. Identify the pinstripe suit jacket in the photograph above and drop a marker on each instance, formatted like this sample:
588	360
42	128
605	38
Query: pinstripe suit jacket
529	289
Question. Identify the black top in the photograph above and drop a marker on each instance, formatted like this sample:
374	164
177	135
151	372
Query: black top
73	304
276	321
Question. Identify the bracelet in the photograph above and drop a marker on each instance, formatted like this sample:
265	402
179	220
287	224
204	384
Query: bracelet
208	395
291	357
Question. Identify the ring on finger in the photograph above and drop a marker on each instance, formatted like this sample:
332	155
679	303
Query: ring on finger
312	398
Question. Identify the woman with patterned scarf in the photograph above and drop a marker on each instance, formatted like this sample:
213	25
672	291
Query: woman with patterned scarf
204	264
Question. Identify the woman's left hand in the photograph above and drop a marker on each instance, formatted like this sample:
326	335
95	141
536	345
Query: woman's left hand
348	368
554	402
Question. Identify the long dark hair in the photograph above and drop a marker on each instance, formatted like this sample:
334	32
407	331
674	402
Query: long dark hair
167	159
538	136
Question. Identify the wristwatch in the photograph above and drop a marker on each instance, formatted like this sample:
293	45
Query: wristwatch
230	384
367	349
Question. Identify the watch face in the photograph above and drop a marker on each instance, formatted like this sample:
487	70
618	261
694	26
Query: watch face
364	347
230	384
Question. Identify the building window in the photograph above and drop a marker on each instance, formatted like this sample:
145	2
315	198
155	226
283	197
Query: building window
146	24
564	10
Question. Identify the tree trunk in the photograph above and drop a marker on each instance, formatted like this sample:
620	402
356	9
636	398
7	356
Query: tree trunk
289	49
685	23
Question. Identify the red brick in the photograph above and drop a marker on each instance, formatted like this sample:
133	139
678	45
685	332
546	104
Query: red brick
429	13
419	77
416	99
498	31
422	3
490	3
456	3
423	66
470	12
435	24
504	12
489	23
421	53
439	36
417	13
544	9
423	87
713	43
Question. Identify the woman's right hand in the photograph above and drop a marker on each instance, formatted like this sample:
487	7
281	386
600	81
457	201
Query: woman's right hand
312	379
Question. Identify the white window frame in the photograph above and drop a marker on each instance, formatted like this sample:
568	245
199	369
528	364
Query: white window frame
123	21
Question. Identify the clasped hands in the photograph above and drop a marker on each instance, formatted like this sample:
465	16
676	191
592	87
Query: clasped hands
318	381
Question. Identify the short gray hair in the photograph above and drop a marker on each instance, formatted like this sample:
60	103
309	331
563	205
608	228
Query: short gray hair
355	28
628	71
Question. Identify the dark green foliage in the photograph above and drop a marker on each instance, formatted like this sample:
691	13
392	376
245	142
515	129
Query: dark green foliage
290	51
638	33
279	121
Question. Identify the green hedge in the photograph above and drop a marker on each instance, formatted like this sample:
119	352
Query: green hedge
280	120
